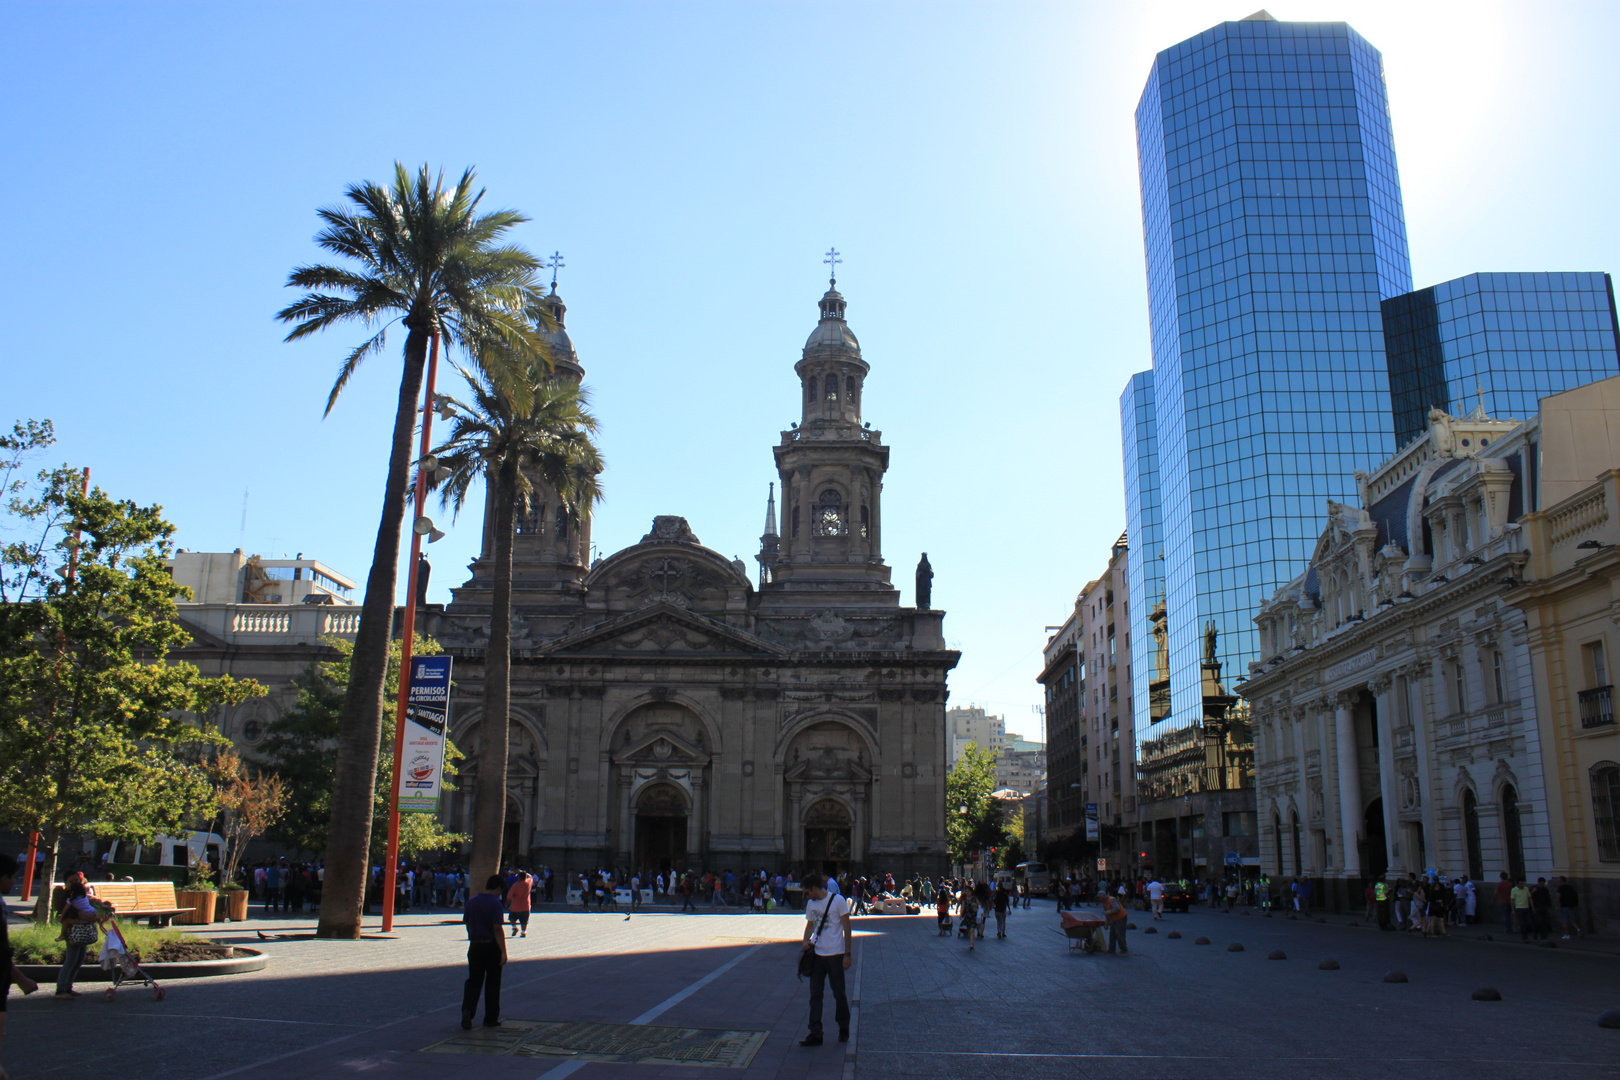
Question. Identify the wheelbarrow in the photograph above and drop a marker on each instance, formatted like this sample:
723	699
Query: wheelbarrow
1084	930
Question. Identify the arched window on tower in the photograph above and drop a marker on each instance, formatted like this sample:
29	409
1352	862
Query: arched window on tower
866	522
832	387
810	394
849	387
829	519
562	522
795	522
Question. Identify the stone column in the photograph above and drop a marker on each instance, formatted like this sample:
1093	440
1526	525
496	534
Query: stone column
1389	784
1417	713
795	822
627	817
1298	718
1349	785
694	820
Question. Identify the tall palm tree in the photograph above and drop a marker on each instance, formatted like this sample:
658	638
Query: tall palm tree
422	255
515	443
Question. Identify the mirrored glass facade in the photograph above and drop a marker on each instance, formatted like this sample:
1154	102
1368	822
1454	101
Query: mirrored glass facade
1503	341
1144	564
1273	231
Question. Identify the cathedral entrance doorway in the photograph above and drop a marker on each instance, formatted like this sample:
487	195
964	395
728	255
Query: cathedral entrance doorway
827	838
661	829
1375	853
512	833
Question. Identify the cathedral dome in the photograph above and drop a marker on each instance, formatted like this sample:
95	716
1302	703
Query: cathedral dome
832	333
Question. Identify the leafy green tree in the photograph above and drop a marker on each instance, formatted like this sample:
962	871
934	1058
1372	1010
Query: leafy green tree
973	820
1011	847
297	748
512	444
35	508
420	254
93	734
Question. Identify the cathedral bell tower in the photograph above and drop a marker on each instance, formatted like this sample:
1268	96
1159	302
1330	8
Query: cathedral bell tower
831	468
551	548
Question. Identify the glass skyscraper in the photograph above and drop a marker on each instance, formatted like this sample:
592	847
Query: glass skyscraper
1273	229
1501	341
1144	567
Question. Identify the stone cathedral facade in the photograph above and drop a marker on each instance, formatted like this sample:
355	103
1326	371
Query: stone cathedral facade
671	711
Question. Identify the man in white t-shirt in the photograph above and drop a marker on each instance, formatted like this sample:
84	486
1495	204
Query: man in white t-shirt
828	939
1155	891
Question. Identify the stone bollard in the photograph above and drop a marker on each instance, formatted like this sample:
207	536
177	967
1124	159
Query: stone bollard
1151	930
1488	993
1201	941
1328	965
1395	977
1173	934
1130	926
1236	946
1276	954
1610	1019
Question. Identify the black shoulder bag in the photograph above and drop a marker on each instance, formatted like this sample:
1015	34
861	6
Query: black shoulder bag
806	954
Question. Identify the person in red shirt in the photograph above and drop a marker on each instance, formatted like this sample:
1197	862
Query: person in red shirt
1504	899
517	899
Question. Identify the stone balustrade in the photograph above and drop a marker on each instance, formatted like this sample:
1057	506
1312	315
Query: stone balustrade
266	624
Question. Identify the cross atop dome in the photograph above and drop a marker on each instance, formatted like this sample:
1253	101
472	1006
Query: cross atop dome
832	260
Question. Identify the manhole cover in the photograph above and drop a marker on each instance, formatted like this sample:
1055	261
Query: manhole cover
625	1043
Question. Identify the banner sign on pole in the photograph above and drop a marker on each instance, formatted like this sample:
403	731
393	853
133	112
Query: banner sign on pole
1091	821
426	711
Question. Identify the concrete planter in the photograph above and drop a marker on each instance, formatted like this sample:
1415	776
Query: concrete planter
240	960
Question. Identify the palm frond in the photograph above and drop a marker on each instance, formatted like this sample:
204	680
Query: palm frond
352	361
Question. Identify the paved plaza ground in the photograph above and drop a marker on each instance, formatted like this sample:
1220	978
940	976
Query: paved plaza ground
1024	1007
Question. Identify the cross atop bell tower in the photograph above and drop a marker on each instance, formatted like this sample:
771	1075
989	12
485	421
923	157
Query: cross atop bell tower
831	467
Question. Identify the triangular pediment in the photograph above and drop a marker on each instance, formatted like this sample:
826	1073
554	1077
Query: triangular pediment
661	746
663	628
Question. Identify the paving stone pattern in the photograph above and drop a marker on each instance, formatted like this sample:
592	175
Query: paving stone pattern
927	1007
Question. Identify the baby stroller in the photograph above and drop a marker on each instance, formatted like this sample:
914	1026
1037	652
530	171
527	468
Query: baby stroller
945	923
115	959
1084	930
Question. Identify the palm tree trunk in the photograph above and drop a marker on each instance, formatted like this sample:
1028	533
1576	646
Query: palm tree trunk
489	801
354	779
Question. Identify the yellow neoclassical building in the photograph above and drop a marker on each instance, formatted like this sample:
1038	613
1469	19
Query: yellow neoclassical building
1571	601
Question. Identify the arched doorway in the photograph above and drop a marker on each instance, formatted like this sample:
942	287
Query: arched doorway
1277	838
827	827
1476	855
1299	855
661	812
1375	854
512	850
1512	833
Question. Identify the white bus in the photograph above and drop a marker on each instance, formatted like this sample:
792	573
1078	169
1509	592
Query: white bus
1035	875
171	851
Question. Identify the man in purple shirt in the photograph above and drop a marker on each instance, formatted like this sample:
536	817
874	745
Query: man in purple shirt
486	953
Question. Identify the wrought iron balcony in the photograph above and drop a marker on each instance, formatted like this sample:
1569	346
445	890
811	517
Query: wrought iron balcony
1597	707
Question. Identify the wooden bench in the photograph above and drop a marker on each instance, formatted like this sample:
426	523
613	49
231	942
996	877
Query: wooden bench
153	900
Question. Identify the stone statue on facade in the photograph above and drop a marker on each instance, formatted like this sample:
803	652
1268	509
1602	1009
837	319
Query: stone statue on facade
925	584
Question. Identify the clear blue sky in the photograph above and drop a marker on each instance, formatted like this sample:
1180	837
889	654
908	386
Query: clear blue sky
975	164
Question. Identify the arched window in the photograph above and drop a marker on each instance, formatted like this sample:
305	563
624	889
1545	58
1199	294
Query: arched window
832	388
849	387
829	519
1476	855
562	522
810	394
1606	809
866	522
795	522
1512	833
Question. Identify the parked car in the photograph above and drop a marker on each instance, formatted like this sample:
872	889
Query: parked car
1177	897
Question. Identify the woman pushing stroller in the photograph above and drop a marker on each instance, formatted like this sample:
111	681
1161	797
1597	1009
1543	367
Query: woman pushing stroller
116	959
